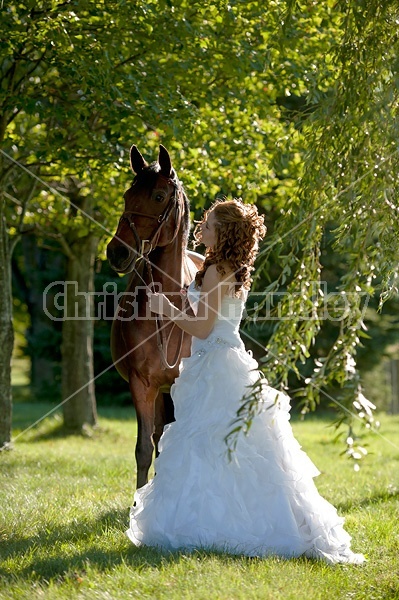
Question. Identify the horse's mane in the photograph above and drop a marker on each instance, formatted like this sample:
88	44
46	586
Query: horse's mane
147	179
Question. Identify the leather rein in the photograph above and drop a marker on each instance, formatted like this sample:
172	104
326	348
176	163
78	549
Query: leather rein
144	249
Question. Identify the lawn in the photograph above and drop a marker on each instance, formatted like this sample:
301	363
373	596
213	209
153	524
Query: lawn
65	502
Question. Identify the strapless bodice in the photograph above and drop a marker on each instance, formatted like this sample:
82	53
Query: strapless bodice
225	331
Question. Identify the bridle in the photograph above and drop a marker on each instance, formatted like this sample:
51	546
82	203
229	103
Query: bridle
161	219
144	249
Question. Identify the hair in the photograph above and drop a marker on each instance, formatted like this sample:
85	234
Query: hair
239	229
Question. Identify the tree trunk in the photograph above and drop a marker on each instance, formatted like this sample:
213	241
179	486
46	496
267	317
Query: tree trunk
77	337
6	333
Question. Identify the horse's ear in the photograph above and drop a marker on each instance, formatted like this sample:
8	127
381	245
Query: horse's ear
137	162
165	162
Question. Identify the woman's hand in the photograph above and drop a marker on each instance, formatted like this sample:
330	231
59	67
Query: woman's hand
159	304
212	292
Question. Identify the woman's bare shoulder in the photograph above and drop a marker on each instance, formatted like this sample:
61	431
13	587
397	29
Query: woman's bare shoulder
215	280
211	276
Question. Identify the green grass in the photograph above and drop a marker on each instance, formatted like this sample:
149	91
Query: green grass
64	508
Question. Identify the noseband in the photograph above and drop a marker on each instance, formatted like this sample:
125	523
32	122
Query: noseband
161	219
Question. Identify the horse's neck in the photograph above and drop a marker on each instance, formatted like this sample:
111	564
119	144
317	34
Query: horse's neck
168	267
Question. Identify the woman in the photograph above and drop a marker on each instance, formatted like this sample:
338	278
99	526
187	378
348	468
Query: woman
263	501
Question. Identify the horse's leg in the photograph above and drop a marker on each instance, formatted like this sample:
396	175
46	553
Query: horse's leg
144	402
159	421
169	408
164	414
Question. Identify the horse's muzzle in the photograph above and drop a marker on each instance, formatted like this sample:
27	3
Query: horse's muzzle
121	258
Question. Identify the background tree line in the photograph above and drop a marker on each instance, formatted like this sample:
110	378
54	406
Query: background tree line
292	105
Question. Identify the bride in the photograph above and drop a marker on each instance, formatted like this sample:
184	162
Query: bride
262	502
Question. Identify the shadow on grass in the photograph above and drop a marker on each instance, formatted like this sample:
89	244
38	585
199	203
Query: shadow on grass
57	564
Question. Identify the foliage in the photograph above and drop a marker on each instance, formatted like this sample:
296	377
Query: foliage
65	507
75	77
291	104
349	183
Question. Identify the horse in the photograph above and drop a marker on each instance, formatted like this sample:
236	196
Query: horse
150	243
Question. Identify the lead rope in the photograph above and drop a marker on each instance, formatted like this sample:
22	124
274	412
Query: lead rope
163	342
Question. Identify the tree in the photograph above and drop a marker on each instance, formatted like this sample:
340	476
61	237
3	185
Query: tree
280	102
8	239
58	123
6	332
349	183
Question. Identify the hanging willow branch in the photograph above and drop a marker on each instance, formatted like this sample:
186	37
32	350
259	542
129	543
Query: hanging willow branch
349	187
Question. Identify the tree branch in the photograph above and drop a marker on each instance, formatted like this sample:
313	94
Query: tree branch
66	248
130	58
29	72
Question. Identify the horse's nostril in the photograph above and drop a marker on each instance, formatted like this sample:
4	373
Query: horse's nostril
118	255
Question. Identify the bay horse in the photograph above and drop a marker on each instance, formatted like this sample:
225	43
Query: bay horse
151	243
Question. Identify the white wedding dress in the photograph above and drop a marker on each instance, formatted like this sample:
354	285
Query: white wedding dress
263	501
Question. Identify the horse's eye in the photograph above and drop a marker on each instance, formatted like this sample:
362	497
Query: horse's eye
159	198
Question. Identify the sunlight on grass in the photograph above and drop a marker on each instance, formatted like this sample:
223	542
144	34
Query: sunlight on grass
65	502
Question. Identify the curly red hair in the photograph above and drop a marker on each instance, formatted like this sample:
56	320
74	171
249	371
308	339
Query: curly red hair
239	229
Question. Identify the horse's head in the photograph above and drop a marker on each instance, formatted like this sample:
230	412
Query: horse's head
155	212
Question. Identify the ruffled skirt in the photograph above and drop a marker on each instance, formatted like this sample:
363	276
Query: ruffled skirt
261	502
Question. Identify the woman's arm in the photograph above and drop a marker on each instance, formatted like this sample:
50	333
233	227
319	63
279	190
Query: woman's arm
212	291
